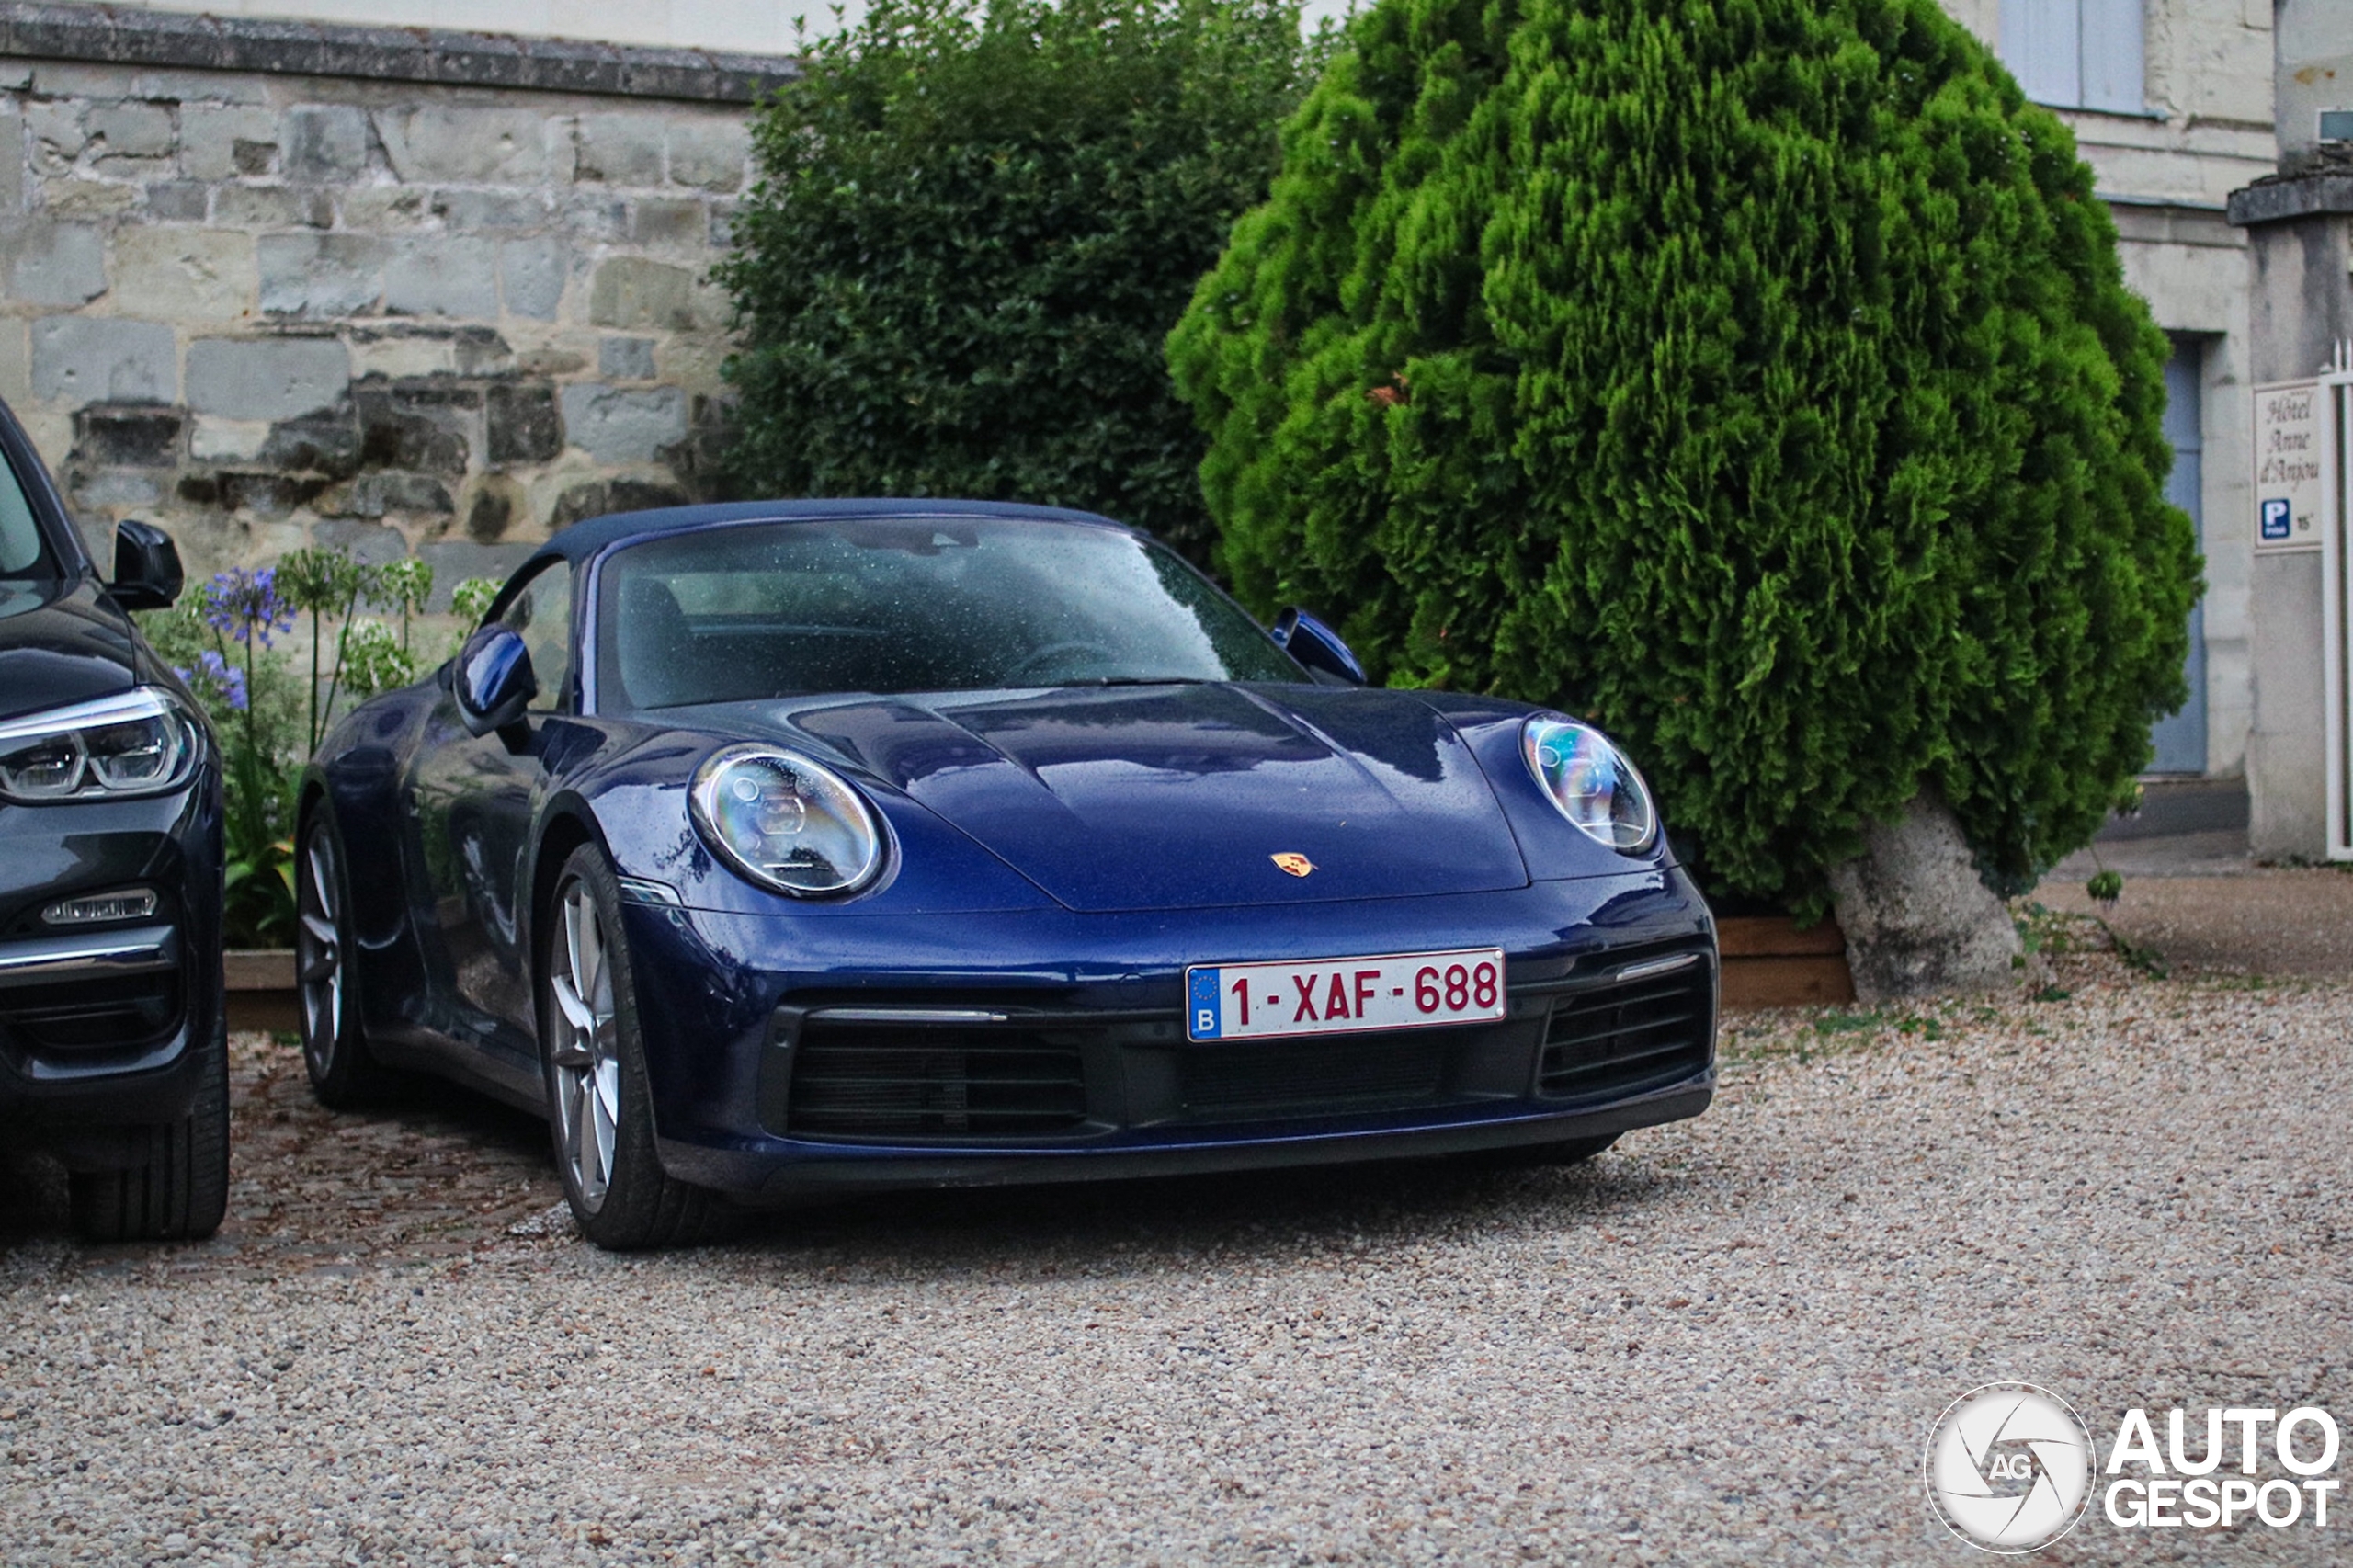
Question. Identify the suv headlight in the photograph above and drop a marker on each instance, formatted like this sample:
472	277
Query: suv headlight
140	743
1590	780
786	822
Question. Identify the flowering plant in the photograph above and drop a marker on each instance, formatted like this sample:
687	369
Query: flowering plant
241	612
323	580
375	658
222	643
218	683
244	606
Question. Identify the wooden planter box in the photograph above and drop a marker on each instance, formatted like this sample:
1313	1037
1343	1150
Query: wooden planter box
1768	962
261	989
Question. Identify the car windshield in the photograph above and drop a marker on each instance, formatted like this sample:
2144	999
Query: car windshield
911	604
20	543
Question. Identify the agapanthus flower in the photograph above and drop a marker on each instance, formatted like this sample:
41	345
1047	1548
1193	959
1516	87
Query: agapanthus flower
215	681
404	585
227	678
244	605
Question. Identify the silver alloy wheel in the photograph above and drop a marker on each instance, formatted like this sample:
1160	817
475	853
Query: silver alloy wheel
584	1050
318	952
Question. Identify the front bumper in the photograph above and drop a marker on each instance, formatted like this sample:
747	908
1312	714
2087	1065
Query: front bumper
769	1178
910	1054
102	1027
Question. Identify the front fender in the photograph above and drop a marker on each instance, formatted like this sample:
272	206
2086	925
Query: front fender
1555	848
632	798
355	778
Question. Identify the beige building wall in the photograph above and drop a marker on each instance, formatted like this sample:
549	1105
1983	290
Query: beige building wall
2167	174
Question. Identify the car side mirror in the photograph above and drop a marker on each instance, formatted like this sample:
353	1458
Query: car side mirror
146	567
493	680
1316	645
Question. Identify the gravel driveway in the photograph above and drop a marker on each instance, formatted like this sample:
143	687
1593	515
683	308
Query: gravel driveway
1721	1342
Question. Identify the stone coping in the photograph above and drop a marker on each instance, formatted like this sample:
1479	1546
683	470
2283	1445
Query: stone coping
2284	197
127	36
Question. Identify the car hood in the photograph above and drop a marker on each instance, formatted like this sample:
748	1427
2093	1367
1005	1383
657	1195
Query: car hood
60	642
1182	796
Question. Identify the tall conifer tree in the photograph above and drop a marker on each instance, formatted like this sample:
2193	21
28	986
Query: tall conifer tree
1755	376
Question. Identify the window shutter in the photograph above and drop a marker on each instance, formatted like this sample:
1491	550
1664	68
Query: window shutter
2043	43
2112	59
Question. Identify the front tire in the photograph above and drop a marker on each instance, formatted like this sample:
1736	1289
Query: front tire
593	1061
179	1191
344	1074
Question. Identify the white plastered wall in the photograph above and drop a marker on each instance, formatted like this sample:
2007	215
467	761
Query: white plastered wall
2200	290
2207	132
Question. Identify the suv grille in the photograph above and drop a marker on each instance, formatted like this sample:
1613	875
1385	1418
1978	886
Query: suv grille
1621	1036
104	1014
877	1081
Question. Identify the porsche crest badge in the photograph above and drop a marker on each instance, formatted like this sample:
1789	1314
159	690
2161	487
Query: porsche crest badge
1298	865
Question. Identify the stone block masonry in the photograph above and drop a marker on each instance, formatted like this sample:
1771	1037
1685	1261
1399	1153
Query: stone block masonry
436	293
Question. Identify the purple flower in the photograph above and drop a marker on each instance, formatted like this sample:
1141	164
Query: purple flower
215	680
227	678
244	605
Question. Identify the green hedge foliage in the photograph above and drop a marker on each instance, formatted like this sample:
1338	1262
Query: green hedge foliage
978	222
1755	377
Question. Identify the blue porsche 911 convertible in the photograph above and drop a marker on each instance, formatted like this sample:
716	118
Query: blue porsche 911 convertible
790	848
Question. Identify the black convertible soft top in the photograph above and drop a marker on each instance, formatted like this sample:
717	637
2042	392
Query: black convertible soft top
582	541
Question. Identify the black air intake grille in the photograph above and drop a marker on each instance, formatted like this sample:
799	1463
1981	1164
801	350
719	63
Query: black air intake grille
1621	1036
104	1014
1346	1073
926	1082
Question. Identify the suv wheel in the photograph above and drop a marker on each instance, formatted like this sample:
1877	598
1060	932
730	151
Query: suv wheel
180	1189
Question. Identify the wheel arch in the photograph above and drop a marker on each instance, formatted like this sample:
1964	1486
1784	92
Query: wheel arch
365	812
387	965
310	795
568	827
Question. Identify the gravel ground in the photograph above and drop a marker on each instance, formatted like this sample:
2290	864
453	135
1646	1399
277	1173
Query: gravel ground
1722	1341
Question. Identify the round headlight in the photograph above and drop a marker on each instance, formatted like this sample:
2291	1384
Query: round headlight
784	822
1590	780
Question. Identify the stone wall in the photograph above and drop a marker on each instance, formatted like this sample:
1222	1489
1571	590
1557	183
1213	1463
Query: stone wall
265	307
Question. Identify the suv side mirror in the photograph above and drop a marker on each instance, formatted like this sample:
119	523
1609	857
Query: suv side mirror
146	567
1316	645
493	680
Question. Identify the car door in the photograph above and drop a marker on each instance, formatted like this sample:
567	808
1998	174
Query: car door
473	799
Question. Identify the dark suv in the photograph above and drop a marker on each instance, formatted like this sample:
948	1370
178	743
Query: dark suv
113	1050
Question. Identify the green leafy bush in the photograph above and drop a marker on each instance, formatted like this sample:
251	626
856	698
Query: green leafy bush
1755	376
979	220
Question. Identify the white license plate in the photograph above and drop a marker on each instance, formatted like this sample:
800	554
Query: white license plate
1401	990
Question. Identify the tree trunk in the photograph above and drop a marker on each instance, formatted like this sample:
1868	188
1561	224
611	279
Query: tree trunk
1919	921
